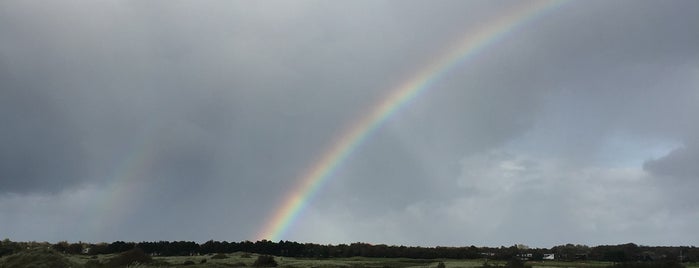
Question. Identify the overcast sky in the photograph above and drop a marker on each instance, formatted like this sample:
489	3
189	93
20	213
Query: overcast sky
191	120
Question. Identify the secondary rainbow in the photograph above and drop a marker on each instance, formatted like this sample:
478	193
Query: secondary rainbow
463	50
121	194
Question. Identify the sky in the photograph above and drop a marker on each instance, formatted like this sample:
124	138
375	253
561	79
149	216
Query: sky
193	120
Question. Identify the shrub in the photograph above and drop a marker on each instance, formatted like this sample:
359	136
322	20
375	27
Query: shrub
219	256
517	263
265	261
188	263
441	265
238	264
40	257
202	261
135	255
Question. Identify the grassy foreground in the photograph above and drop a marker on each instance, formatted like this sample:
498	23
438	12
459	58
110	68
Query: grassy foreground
240	259
50	258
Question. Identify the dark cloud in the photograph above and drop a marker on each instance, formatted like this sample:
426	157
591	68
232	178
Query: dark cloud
41	147
215	110
681	163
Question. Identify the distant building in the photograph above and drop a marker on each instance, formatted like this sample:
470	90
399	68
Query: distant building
549	256
525	256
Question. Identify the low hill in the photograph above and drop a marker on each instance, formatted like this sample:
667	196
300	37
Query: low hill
36	258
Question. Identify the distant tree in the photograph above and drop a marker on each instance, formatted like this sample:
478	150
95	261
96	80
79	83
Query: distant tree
101	248
8	247
615	256
61	246
120	246
265	261
210	246
75	248
570	251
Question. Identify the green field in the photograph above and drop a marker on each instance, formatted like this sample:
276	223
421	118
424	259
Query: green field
53	259
247	260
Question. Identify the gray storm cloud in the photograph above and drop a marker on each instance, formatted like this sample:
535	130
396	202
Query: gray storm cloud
215	109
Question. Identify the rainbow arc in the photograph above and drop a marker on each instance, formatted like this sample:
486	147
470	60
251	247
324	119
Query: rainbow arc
461	52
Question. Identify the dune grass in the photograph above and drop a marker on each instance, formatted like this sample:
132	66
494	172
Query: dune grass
37	258
40	258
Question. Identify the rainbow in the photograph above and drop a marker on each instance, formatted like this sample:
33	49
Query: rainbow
463	50
122	189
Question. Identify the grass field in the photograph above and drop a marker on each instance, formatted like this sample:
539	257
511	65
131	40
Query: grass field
246	260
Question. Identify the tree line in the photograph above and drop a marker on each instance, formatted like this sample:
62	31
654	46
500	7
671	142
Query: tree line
614	253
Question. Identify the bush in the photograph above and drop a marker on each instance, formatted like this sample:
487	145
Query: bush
202	261
238	264
188	263
265	261
441	265
40	257
8	247
219	256
517	263
135	255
